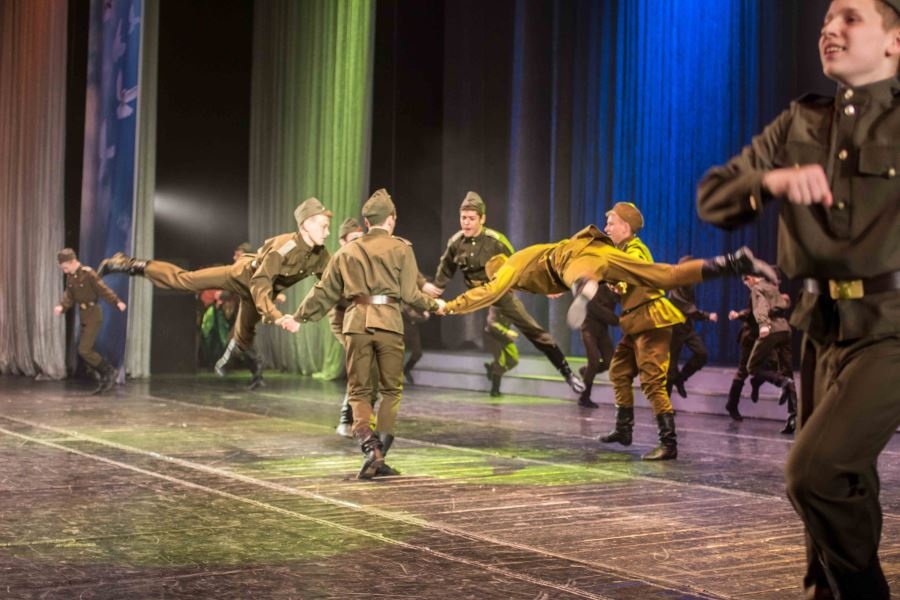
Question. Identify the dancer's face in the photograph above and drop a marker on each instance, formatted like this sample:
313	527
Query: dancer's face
316	229
856	45
617	229
471	222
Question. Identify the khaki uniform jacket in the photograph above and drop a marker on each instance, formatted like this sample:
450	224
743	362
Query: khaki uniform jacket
855	137
281	262
375	264
645	308
766	302
470	255
85	287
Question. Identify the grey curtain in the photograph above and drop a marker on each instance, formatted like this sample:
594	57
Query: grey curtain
309	136
32	136
140	310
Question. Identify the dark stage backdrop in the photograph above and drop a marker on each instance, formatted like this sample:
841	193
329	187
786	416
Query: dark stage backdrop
554	110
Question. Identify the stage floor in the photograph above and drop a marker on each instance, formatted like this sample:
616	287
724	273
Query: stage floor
194	488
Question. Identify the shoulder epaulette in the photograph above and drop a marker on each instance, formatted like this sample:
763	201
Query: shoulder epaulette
287	247
815	99
404	240
455	237
87	268
492	233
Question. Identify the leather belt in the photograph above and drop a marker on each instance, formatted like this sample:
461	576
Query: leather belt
377	299
86	305
854	289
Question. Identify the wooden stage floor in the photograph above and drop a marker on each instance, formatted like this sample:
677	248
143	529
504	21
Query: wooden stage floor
194	488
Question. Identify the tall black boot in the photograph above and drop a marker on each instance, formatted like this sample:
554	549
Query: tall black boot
107	377
624	427
676	381
739	262
374	456
345	423
494	378
255	366
120	263
584	400
788	392
385	470
571	378
230	350
734	397
791	424
668	444
755	384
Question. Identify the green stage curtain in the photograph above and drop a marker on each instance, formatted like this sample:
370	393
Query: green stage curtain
309	136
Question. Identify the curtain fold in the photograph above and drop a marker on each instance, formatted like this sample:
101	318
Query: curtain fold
309	136
32	135
140	309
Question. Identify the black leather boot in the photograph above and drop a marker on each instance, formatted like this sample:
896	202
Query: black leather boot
106	378
571	378
734	397
788	393
739	262
255	366
755	384
668	444
120	263
374	456
584	400
345	423
385	470
676	381
791	424
230	350
624	427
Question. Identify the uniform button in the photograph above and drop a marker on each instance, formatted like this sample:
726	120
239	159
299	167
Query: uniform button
753	202
848	94
840	205
842	155
892	172
850	110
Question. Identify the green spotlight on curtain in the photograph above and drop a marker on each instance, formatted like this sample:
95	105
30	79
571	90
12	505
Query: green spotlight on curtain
309	136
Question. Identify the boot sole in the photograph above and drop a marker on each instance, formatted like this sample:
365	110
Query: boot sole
368	470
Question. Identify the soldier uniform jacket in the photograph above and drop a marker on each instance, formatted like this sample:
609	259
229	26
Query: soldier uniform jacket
645	308
855	137
375	264
470	255
768	307
85	287
685	300
281	262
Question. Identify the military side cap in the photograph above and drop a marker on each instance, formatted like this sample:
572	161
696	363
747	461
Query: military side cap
349	226
378	207
65	255
310	208
473	201
629	213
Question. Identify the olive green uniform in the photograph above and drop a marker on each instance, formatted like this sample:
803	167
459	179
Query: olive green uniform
646	320
554	269
376	271
849	256
256	278
470	255
84	289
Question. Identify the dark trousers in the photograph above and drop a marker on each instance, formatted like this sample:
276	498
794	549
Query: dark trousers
759	365
684	336
412	339
381	350
599	348
91	320
849	410
512	310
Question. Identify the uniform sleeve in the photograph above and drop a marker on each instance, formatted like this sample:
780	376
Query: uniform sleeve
410	292
103	290
684	301
732	194
261	285
447	266
485	295
323	295
761	307
67	301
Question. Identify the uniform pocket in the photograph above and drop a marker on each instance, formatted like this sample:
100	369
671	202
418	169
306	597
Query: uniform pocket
801	153
879	160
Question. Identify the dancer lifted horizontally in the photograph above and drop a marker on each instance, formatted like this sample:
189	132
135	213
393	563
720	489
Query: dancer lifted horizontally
256	278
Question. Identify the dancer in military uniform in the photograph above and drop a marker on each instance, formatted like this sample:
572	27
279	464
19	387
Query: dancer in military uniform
256	278
685	336
376	272
84	288
831	164
469	250
646	320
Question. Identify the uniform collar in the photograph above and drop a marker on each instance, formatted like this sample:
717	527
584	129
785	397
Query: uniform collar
377	231
881	92
301	243
477	235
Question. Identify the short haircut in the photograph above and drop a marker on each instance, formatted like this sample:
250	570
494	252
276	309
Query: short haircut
889	16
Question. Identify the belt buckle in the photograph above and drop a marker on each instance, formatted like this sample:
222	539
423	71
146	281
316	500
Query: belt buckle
850	289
